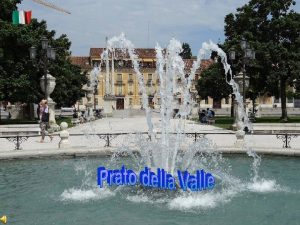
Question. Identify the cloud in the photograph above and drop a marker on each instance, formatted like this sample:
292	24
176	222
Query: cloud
91	21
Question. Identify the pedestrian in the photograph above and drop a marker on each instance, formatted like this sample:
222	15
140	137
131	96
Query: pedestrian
209	113
199	114
203	117
212	113
44	120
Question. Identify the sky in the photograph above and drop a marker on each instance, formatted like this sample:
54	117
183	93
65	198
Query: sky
145	23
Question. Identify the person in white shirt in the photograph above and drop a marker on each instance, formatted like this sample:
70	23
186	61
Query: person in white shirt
44	120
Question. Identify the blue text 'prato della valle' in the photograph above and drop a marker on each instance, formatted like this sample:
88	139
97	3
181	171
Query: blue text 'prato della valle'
161	179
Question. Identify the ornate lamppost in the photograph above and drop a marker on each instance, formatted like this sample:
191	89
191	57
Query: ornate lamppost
243	82
242	79
48	53
249	54
47	82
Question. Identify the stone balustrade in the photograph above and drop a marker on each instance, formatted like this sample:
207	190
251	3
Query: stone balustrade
20	129
276	128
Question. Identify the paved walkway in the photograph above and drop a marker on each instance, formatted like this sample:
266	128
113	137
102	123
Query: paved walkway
85	142
139	124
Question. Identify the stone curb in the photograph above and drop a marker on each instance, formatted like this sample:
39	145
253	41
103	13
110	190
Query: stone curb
55	153
105	152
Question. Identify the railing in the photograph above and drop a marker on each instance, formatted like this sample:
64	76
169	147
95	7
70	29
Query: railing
17	140
286	138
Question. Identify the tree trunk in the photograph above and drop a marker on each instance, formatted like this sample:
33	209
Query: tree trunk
284	117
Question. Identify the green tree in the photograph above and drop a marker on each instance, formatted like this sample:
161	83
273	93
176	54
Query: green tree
186	51
7	6
20	76
212	83
273	30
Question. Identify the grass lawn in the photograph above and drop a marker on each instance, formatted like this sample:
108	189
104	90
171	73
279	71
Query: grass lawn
226	122
64	119
222	121
277	120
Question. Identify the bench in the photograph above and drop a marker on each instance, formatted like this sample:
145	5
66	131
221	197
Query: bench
64	112
20	130
75	121
211	121
4	114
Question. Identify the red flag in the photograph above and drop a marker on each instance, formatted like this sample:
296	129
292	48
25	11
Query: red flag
27	17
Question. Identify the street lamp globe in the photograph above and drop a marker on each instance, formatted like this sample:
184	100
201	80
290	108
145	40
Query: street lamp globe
253	54
32	52
44	41
232	55
53	53
244	44
248	53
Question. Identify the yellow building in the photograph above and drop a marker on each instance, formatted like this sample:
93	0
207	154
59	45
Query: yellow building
125	86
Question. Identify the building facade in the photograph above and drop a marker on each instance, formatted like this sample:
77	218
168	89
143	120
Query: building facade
124	84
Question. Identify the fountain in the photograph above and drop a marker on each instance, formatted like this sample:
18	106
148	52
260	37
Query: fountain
163	152
252	198
166	150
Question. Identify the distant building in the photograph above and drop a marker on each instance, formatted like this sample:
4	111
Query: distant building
125	83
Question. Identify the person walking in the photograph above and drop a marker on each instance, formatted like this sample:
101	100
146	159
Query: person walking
44	120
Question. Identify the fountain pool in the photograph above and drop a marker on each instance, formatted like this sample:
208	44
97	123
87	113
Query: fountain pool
65	192
247	190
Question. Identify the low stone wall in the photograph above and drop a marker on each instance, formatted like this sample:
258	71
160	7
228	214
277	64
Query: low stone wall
20	129
276	127
266	112
222	112
262	112
107	152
